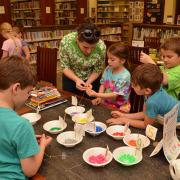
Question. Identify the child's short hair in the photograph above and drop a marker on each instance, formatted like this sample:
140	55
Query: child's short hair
147	76
119	50
5	27
16	30
13	70
172	44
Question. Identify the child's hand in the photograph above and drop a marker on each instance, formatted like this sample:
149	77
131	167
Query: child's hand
90	92
144	58
116	114
115	121
45	140
96	101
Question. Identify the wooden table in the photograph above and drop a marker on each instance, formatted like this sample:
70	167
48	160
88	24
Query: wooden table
61	163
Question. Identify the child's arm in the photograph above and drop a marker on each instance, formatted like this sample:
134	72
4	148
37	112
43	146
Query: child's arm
5	54
132	122
26	52
144	58
31	164
138	115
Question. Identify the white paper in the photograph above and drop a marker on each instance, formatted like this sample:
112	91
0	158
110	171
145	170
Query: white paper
89	114
48	10
2	10
151	132
79	130
137	43
170	140
91	126
74	100
82	10
61	122
157	148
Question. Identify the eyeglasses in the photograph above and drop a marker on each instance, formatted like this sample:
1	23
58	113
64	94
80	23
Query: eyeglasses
89	34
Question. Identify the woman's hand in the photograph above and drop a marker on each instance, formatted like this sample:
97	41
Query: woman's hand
116	114
88	85
91	92
96	101
112	121
81	85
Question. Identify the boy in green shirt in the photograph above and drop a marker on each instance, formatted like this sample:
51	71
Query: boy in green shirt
20	154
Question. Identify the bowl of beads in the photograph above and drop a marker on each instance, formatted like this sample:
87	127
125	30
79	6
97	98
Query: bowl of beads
73	110
127	156
134	140
32	117
82	118
69	139
95	128
54	126
97	156
117	131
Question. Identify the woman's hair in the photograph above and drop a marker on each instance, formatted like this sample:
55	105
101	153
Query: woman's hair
13	70
119	50
147	76
5	27
88	32
172	44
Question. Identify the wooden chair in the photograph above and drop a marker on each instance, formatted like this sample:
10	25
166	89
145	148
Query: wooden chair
47	64
134	56
152	42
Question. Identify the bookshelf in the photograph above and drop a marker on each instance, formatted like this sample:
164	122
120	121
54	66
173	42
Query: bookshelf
150	30
112	11
153	12
26	13
65	12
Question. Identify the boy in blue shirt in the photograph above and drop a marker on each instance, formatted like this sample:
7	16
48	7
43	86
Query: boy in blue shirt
146	81
20	154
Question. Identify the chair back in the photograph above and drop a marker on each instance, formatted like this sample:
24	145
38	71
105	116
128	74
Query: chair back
134	56
47	64
152	42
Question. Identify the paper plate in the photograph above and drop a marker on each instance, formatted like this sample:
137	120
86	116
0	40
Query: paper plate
32	117
97	129
68	139
54	126
91	154
117	131
82	118
127	156
130	140
72	110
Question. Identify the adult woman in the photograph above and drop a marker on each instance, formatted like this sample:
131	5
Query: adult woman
82	56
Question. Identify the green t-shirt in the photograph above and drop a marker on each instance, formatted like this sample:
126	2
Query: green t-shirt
72	57
17	141
173	87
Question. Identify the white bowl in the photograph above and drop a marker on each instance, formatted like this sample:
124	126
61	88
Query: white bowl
134	155
69	136
32	117
97	151
82	118
72	110
117	129
54	127
94	130
145	142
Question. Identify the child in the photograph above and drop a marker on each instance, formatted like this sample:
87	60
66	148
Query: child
170	55
12	45
17	33
115	83
146	81
20	154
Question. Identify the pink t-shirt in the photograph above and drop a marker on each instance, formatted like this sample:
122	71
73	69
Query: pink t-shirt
12	46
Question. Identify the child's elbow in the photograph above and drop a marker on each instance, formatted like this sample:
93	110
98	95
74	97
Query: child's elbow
30	173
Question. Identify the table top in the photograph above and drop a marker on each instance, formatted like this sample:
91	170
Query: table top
67	163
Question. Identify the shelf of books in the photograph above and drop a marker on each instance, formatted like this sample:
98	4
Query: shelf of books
148	30
26	13
65	12
112	11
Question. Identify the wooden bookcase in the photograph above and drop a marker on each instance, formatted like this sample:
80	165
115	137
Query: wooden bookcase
112	11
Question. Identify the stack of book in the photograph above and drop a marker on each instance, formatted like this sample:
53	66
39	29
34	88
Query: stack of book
44	98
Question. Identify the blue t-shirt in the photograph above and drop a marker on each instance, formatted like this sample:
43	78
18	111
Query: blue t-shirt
17	141
160	103
118	83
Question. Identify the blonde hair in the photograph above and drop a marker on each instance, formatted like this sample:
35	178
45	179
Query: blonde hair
16	30
6	27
